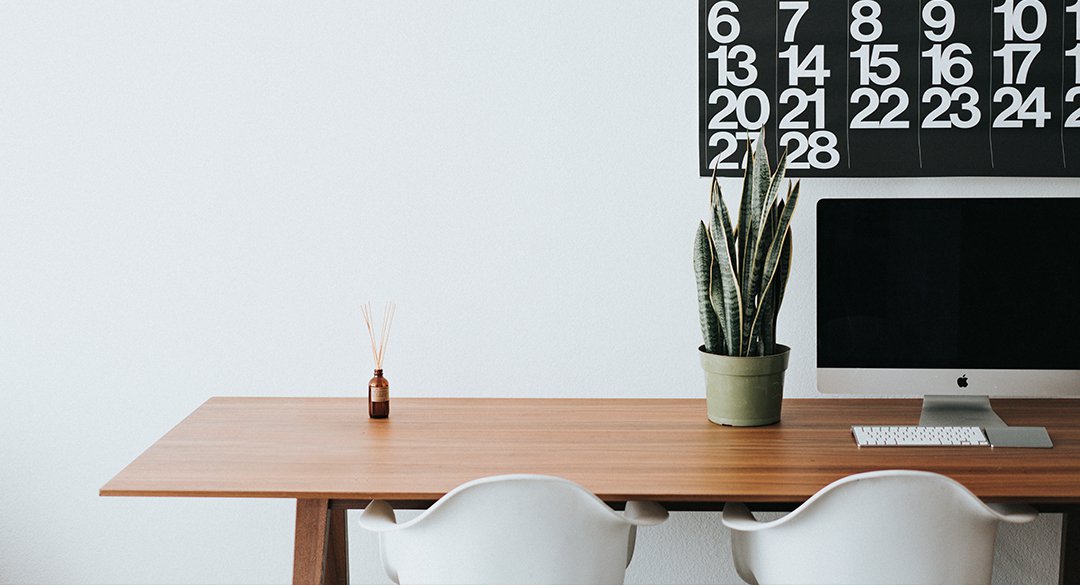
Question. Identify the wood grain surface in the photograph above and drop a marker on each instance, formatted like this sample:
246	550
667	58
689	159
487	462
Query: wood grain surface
659	449
310	542
337	549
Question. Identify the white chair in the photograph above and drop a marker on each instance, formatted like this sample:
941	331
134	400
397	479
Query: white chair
511	529
880	527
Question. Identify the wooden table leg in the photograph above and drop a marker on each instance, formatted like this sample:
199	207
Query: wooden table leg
1070	547
309	547
321	548
337	550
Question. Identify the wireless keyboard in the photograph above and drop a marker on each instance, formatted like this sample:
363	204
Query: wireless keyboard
916	436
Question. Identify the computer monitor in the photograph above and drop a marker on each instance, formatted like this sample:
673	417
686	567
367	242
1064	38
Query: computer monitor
957	296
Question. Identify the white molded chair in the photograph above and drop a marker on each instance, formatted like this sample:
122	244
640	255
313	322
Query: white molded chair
511	529
892	526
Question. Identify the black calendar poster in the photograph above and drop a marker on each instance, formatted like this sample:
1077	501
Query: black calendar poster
892	88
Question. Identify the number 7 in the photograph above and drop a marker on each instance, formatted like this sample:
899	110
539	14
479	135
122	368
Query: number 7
800	9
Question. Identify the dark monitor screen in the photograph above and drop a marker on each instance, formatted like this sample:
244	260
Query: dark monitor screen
956	283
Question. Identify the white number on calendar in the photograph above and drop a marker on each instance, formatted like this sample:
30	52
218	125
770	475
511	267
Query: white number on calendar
819	149
1074	8
872	58
1013	14
875	100
939	15
739	105
802	101
812	66
731	145
1073	121
944	62
800	9
1075	54
865	26
1016	70
1018	109
727	21
968	99
731	141
744	57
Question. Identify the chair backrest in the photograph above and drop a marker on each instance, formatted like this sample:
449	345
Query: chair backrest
511	529
892	526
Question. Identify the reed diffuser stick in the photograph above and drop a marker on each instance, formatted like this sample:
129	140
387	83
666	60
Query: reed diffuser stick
383	336
388	321
366	309
378	387
378	349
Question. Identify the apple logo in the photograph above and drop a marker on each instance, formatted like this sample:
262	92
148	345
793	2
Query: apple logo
962	381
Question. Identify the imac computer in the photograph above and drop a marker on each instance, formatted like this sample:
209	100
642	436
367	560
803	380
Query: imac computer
953	299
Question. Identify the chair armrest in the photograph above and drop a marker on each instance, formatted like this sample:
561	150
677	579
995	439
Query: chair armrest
738	517
642	513
378	516
1014	513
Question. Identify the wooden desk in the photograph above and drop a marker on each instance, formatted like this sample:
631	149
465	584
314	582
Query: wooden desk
328	455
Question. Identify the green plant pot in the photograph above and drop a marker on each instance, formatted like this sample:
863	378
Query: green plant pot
744	391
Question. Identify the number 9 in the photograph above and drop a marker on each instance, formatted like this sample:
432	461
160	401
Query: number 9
946	23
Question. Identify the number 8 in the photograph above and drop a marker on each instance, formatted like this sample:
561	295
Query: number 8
861	18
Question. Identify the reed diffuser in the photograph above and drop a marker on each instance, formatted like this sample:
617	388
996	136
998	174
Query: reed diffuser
378	388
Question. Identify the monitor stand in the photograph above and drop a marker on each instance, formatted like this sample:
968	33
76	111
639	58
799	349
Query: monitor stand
950	410
946	410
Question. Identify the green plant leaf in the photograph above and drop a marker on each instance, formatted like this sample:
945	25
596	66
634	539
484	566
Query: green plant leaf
766	339
742	230
703	268
716	200
759	185
725	294
770	205
772	259
783	271
763	339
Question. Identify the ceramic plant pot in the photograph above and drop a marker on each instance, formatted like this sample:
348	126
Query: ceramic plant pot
744	391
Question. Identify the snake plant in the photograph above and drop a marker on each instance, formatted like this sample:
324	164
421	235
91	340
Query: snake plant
742	271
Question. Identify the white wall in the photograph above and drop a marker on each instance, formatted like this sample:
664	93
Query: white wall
195	197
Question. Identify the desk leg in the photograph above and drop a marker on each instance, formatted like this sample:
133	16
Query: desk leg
337	551
321	548
309	546
1070	547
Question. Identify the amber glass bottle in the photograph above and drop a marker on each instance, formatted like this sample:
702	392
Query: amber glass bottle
378	396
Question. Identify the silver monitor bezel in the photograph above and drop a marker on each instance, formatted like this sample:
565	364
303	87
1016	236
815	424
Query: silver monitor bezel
919	382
